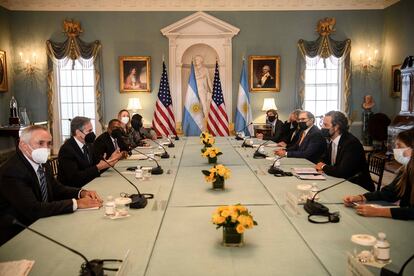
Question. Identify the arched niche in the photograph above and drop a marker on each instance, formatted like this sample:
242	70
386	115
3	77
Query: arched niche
205	35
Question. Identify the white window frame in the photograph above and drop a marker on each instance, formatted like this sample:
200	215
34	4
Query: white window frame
57	134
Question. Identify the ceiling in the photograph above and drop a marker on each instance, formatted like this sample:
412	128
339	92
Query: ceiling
193	5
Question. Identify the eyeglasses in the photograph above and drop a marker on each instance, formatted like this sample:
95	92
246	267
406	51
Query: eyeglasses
303	120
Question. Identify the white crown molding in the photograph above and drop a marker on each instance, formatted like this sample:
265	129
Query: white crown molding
193	5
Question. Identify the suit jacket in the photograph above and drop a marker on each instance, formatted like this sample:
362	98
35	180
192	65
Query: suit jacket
74	169
277	134
269	83
103	145
312	148
287	133
350	159
20	195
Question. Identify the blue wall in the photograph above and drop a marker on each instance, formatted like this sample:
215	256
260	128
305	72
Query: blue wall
138	33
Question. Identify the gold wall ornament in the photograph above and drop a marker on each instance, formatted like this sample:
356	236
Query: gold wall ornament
326	26
72	28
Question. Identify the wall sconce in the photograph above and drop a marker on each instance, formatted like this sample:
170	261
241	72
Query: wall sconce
28	63
368	59
269	103
134	104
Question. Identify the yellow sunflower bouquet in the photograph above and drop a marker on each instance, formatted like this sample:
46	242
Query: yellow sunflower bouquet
216	175
211	153
207	139
234	219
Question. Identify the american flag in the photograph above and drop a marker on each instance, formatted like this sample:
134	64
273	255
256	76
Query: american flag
217	122
164	121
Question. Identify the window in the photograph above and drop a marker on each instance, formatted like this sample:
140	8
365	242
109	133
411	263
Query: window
75	95
322	86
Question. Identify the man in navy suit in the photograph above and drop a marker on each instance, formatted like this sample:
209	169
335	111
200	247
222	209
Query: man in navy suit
311	145
77	162
345	156
28	190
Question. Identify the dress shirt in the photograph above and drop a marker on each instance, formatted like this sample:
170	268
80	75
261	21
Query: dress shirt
80	144
334	151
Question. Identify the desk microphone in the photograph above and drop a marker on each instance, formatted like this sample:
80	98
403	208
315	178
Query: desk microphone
242	130
139	200
156	170
246	145
165	154
317	209
273	169
171	144
259	155
88	268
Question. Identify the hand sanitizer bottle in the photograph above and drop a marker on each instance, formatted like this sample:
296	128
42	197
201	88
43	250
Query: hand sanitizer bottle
382	249
110	206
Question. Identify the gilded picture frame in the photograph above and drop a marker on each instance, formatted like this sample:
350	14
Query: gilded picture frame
264	73
396	81
134	74
3	72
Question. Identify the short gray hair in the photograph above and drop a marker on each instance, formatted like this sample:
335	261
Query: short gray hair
309	115
26	134
78	122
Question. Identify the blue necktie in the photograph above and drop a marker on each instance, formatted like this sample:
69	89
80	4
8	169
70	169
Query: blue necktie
43	184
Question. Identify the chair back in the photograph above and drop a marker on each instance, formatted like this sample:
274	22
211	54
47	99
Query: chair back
53	162
376	166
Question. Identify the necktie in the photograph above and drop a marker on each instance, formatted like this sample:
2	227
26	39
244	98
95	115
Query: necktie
86	153
333	154
330	152
302	137
42	182
115	144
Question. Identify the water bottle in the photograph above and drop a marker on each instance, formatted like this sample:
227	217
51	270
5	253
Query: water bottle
382	249
110	206
13	108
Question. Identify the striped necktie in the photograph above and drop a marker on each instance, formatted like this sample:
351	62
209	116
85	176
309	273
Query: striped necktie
86	153
42	182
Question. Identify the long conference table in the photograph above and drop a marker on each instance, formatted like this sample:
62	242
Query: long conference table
174	234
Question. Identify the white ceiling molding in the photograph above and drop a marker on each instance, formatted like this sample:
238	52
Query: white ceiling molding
193	5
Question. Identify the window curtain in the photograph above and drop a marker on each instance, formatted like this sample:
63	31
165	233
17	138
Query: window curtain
72	49
324	47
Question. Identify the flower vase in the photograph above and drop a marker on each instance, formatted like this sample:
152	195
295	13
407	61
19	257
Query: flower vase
212	160
218	184
231	237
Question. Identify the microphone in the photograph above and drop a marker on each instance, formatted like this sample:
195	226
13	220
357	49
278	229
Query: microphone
139	200
242	130
316	208
156	170
88	268
273	169
171	144
246	145
259	155
165	154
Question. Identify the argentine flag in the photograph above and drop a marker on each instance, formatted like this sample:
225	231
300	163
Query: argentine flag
193	110
243	110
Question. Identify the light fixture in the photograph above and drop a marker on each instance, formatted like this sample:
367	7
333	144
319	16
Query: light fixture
269	103
28	62
134	104
369	59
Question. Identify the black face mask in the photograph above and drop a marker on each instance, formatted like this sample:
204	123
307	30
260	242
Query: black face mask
90	137
325	133
117	133
302	125
294	124
271	118
137	125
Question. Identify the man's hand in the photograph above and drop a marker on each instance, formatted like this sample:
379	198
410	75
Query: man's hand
281	144
88	202
116	155
280	152
90	194
319	166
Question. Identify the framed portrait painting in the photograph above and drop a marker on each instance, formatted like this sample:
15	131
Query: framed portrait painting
3	71
396	81
264	73
135	74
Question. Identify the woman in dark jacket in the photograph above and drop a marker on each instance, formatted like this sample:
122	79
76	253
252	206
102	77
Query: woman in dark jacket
400	189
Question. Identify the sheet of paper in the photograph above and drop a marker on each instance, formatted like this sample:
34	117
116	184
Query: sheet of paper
137	156
302	171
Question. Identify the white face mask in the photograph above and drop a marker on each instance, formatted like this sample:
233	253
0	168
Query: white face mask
40	155
399	156
125	120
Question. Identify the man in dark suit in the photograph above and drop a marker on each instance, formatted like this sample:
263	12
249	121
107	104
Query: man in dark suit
77	163
311	144
345	156
273	121
111	142
290	130
28	191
